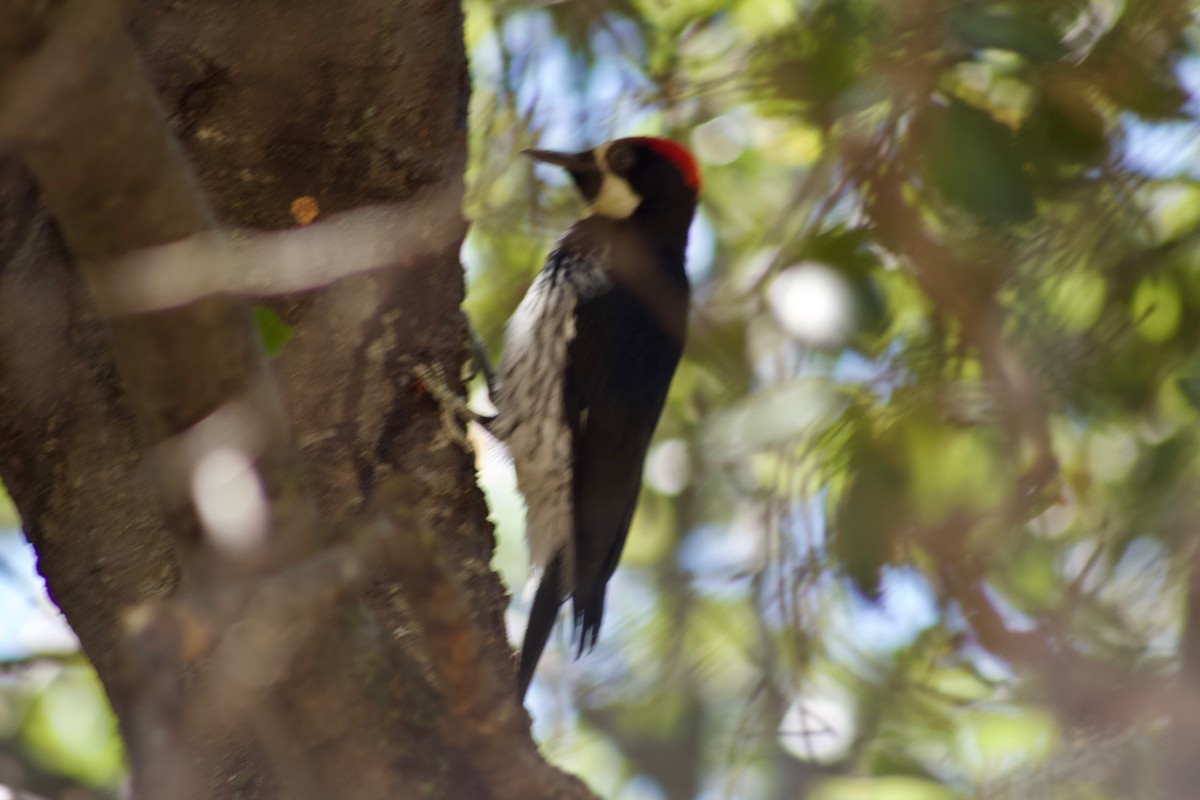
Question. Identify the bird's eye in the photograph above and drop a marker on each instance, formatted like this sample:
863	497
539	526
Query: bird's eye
620	158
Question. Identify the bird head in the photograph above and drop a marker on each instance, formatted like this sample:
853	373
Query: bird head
622	176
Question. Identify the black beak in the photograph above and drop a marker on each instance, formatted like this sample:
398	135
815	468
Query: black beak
575	163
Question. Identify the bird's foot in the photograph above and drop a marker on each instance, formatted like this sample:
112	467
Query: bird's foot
454	410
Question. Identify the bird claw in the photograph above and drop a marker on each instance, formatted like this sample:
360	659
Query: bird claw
455	412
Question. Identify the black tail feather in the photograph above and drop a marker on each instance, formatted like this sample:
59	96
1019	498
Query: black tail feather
542	617
588	602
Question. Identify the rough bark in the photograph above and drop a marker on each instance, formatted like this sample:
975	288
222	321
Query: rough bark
1180	770
345	658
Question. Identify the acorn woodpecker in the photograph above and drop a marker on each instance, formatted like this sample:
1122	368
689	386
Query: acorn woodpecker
588	356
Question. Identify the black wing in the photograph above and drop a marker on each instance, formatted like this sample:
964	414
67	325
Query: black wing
619	367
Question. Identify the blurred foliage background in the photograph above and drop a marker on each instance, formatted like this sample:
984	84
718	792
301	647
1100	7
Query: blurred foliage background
920	520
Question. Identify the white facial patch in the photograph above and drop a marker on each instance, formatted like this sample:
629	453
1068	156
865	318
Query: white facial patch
616	198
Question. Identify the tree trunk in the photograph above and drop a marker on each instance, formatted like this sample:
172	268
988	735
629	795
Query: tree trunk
359	649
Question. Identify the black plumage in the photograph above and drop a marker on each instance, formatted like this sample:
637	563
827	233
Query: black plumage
578	419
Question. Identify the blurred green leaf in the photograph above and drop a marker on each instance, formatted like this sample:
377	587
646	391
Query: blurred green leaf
1156	308
1190	386
871	516
816	63
959	683
274	331
1006	740
952	469
972	160
1063	132
70	729
9	518
1033	575
1019	30
884	788
1076	299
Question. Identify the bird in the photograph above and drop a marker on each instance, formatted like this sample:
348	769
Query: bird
586	363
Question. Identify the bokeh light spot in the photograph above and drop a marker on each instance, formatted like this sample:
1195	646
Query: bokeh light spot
813	303
231	500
